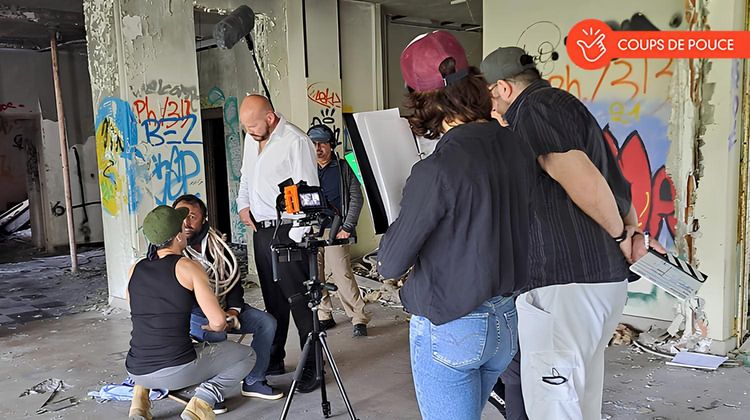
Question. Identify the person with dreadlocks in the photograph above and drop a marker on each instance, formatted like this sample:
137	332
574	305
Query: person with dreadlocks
209	248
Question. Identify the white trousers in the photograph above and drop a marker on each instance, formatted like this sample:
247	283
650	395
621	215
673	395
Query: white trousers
563	331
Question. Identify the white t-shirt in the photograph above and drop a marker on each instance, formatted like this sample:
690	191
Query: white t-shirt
289	153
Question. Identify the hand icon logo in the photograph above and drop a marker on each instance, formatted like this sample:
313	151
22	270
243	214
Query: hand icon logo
594	49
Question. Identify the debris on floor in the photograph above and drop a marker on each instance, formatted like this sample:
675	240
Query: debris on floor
49	385
374	288
624	335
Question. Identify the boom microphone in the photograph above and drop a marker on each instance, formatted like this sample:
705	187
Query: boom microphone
234	27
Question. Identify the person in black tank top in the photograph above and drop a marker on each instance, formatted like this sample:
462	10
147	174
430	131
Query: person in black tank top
162	290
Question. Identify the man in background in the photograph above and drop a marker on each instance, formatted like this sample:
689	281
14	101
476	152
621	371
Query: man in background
344	194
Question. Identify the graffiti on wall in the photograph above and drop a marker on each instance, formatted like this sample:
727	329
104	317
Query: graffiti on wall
324	105
653	192
167	120
147	147
234	151
109	147
7	106
118	156
630	100
159	87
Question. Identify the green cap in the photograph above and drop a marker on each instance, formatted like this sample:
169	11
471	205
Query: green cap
163	223
504	63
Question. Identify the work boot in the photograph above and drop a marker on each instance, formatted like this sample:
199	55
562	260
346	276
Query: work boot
141	405
197	409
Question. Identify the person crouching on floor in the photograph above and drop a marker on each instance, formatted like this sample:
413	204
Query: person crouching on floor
208	247
162	290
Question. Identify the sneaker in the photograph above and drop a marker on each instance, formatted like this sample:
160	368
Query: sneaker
308	382
275	369
327	324
497	402
220	408
360	330
261	389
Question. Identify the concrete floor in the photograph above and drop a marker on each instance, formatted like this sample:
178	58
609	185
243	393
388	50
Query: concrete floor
87	350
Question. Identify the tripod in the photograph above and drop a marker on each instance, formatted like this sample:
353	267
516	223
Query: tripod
316	341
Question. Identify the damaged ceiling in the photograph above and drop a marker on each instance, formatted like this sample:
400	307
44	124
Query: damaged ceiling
30	24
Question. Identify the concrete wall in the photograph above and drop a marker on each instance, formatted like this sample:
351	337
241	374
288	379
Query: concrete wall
362	84
399	36
673	122
27	93
144	85
14	135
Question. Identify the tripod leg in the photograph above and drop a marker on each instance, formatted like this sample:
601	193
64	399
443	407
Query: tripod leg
336	374
320	374
297	375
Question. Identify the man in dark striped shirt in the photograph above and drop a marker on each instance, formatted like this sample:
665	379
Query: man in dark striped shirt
580	242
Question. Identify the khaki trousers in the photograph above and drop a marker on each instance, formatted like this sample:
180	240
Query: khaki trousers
337	261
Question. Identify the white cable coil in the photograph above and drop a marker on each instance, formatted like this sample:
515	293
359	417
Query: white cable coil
223	272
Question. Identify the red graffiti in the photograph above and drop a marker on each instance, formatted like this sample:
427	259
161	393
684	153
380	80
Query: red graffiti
326	97
653	195
625	77
9	105
175	109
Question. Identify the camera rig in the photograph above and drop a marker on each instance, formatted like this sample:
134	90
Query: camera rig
297	199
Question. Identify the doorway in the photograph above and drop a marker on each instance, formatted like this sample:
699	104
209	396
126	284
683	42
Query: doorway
215	158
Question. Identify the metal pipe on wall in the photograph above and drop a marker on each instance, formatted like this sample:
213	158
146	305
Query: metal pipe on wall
64	156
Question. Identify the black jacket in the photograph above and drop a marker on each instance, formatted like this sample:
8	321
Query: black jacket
463	224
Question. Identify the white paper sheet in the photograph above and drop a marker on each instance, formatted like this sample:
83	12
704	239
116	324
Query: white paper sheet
697	360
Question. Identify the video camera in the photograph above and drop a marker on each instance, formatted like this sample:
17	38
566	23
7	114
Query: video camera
309	201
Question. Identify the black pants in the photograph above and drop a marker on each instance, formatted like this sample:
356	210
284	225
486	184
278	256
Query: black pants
511	380
276	294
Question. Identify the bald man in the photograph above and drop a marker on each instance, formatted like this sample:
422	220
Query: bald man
276	150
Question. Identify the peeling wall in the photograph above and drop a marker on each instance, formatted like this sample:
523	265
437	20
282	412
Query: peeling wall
714	215
629	98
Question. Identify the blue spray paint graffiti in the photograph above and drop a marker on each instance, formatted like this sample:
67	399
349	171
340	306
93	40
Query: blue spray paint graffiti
176	172
156	137
234	152
120	113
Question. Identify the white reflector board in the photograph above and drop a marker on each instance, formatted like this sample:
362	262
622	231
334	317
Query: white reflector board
386	150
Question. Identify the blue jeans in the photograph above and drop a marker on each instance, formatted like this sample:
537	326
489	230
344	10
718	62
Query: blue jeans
455	365
252	321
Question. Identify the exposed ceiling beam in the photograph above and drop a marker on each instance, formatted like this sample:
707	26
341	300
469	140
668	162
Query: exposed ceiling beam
53	19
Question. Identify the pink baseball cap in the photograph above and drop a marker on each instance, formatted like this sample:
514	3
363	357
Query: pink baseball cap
420	61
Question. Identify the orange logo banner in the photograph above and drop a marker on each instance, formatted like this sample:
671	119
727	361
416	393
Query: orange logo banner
591	44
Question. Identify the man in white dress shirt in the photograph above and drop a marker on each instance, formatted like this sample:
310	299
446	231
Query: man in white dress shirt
276	150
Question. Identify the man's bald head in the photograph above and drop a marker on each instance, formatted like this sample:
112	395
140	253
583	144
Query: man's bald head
257	117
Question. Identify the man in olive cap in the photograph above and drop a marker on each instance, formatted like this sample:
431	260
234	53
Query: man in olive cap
586	235
162	290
